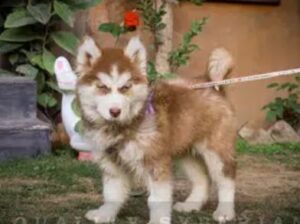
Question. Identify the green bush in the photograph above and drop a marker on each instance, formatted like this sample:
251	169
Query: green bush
29	31
285	108
152	16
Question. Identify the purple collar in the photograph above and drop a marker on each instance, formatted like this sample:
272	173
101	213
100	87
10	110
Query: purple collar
149	105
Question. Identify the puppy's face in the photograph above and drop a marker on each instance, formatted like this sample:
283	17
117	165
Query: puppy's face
112	85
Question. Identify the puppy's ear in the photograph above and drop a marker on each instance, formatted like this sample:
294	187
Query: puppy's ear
87	55
136	51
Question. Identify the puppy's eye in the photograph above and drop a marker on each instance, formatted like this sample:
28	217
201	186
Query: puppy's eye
125	87
102	88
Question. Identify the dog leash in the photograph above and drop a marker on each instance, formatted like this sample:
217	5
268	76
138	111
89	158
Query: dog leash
249	78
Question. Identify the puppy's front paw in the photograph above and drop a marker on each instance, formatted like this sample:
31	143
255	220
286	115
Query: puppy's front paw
162	220
187	206
224	214
101	215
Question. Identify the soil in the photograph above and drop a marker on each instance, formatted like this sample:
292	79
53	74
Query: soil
267	192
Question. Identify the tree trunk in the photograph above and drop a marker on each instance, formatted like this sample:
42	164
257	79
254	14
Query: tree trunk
166	35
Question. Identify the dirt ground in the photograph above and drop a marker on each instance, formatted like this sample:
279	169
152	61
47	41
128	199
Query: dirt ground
267	192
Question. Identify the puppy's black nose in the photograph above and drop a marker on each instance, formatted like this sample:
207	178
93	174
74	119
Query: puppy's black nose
114	112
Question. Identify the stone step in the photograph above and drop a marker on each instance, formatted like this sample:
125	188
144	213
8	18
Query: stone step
19	139
17	98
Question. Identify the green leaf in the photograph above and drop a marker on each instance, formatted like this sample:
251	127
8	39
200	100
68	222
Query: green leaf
48	61
197	2
46	100
6	47
279	111
193	47
271	116
167	75
54	86
76	108
272	85
181	56
292	87
22	34
197	26
161	26
37	60
112	28
82	4
37	46
40	80
27	70
18	18
265	107
13	58
4	72
41	12
284	86
292	104
151	71
66	40
27	53
297	109
64	12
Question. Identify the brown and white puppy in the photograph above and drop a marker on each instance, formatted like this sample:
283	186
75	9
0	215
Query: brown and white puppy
137	131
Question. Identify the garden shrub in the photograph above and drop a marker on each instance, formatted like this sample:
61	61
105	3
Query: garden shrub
29	31
285	108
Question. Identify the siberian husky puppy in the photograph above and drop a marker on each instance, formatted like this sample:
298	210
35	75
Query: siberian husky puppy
136	131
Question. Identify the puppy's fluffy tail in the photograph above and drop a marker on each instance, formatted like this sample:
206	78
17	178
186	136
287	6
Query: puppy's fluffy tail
220	64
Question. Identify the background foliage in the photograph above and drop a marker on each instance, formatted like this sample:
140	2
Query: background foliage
285	108
30	31
152	17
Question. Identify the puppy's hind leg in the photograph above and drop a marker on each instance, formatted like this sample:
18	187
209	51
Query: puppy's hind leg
222	173
116	187
196	172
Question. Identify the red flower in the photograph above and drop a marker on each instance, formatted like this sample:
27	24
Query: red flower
131	19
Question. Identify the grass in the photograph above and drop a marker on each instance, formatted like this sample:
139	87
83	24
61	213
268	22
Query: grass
59	189
47	186
62	170
278	148
285	153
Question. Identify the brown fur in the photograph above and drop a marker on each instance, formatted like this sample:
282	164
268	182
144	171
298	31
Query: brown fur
186	122
183	116
187	116
111	56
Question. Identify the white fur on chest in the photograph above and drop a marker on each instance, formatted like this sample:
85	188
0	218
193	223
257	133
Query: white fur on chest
133	153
